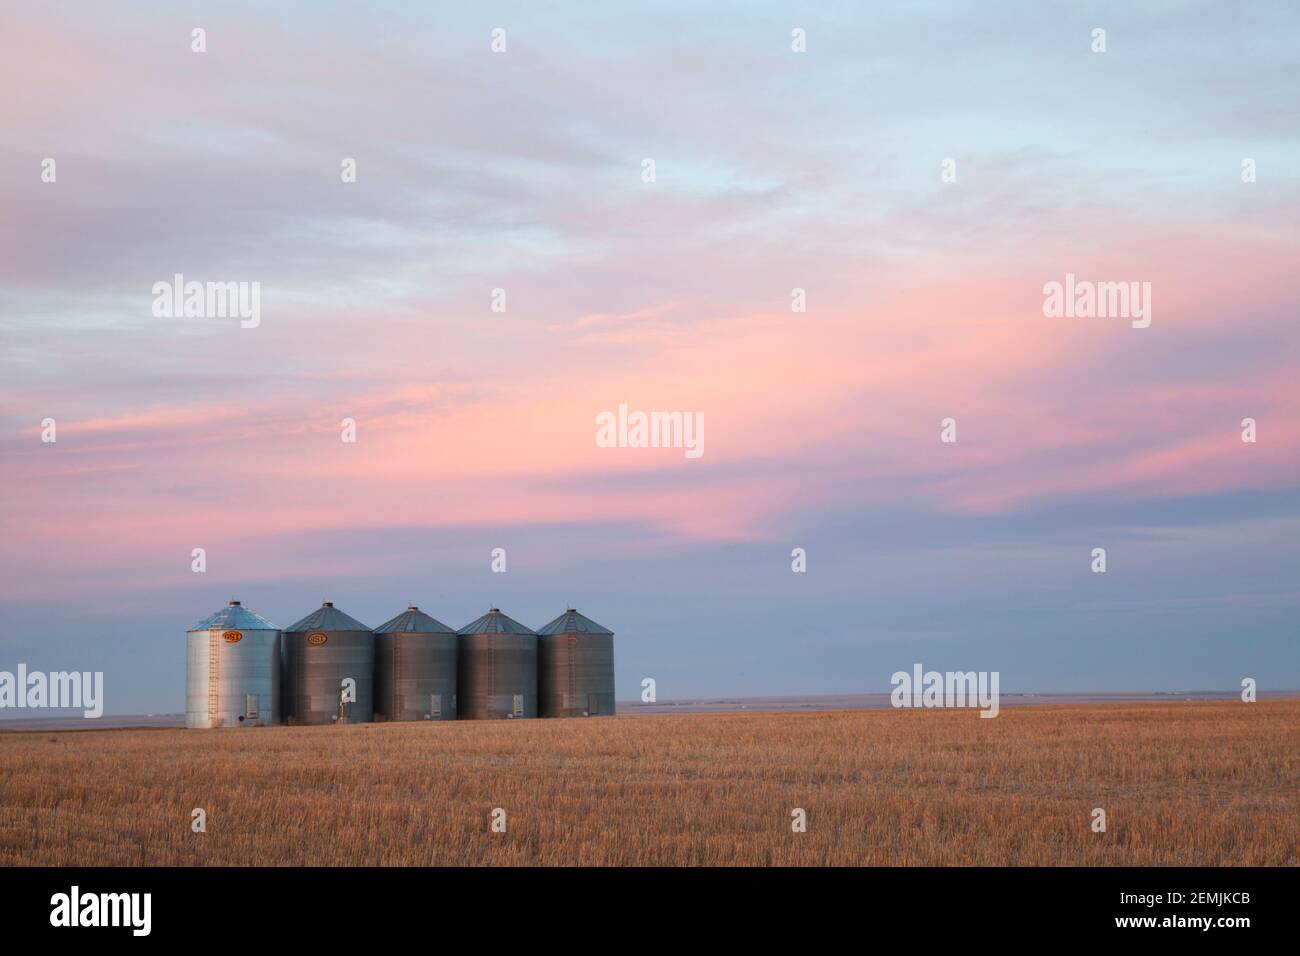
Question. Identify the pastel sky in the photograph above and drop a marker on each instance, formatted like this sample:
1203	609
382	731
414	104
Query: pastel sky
775	170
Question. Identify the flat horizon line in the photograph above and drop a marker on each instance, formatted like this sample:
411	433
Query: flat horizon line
717	703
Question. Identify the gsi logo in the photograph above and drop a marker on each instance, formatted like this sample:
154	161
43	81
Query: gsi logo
317	638
232	637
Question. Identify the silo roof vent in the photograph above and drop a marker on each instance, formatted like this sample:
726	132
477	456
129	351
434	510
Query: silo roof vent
571	622
328	618
494	622
235	617
413	621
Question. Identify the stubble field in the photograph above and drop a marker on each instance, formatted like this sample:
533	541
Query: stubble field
1181	784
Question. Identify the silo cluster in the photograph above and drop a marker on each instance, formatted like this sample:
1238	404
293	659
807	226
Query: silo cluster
330	668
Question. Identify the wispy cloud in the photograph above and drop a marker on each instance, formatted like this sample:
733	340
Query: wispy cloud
522	173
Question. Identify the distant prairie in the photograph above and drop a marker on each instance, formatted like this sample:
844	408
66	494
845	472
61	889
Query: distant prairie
64	720
1185	783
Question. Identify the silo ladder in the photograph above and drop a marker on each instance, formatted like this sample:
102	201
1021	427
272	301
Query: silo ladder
213	678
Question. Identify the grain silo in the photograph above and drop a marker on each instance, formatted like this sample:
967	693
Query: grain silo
575	674
497	668
415	668
328	656
232	670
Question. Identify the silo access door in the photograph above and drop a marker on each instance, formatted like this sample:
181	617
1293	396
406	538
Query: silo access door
435	706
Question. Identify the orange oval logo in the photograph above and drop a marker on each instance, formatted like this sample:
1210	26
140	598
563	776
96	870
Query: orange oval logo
317	638
232	637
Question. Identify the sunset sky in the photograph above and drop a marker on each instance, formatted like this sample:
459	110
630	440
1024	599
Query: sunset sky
775	170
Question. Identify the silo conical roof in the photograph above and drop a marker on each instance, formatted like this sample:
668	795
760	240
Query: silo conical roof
327	618
571	622
234	616
494	622
414	621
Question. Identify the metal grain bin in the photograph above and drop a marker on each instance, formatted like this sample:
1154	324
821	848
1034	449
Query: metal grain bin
415	668
321	651
575	673
232	670
497	669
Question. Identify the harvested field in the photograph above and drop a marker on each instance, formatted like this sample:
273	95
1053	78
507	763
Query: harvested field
1181	783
